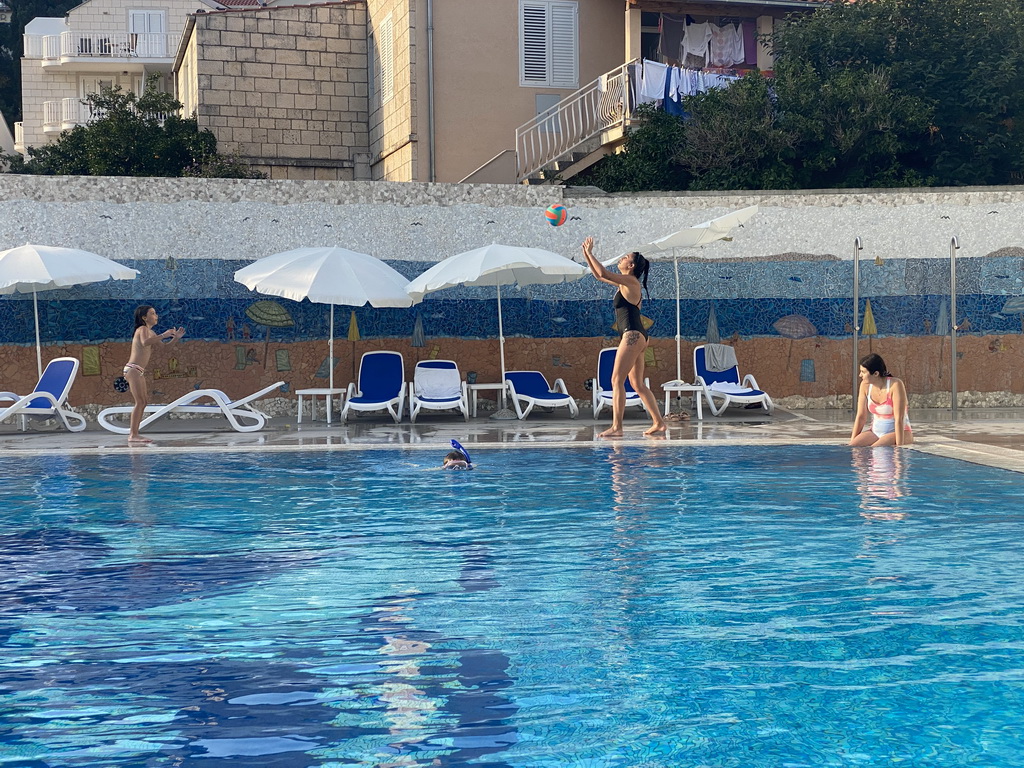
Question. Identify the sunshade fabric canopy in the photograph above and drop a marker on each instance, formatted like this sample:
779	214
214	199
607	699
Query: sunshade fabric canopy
497	265
665	248
327	275
31	268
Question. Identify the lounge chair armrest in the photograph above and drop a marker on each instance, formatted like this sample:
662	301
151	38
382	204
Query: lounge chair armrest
750	381
352	391
9	396
559	386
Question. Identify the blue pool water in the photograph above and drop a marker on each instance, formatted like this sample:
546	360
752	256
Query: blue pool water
748	606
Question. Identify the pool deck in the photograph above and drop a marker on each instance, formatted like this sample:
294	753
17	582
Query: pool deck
994	437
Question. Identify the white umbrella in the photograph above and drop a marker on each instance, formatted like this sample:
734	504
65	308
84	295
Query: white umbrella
44	268
693	237
497	265
327	276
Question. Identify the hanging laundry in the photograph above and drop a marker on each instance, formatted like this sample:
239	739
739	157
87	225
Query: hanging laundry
726	46
721	46
695	42
655	75
671	37
672	104
749	33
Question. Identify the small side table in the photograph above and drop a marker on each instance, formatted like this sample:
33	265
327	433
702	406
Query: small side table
492	387
675	387
327	394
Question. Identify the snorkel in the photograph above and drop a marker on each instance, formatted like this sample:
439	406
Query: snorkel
458	447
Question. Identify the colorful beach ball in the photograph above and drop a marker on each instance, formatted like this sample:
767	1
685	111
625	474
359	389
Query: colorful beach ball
556	215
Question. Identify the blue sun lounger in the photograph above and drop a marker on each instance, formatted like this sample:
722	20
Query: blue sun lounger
381	385
531	388
602	391
49	397
727	387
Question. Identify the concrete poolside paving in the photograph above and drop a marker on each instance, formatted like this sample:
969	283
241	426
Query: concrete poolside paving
994	437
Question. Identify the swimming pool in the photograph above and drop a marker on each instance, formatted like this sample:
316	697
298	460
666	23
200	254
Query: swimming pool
594	606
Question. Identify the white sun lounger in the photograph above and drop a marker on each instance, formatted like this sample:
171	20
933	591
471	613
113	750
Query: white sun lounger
49	397
240	414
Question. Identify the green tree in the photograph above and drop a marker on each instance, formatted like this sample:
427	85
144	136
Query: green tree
132	136
865	94
959	63
648	160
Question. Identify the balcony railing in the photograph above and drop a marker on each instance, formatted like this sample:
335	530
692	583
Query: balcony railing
33	46
51	116
19	137
111	45
595	108
65	114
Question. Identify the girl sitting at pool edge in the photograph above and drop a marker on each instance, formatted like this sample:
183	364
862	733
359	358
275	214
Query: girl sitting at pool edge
885	398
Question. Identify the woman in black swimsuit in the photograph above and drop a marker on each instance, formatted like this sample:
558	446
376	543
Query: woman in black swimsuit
629	359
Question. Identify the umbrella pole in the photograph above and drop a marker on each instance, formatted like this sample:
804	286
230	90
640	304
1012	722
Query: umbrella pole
330	351
501	336
39	347
679	354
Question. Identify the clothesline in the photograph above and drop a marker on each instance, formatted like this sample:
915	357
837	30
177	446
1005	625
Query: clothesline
652	81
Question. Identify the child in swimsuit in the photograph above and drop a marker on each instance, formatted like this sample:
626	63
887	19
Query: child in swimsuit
884	397
135	369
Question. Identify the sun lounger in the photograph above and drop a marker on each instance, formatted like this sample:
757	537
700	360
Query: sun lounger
240	414
49	397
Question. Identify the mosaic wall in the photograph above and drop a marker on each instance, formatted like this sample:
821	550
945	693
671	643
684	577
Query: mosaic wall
781	290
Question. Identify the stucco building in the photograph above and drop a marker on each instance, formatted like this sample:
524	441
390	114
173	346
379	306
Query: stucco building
497	91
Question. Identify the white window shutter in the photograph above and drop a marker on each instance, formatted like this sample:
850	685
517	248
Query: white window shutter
534	43
549	43
564	54
387	59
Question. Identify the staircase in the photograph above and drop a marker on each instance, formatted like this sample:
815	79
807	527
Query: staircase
575	133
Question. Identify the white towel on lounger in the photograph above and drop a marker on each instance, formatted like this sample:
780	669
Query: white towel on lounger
438	383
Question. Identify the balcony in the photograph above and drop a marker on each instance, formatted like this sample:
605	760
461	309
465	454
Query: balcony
65	114
98	51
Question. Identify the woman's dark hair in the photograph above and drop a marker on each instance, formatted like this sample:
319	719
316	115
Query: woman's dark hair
641	266
875	364
140	315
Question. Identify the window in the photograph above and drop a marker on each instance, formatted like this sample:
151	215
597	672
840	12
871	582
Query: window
146	34
548	44
382	71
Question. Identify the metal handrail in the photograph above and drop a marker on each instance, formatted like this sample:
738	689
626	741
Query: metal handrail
597	107
954	324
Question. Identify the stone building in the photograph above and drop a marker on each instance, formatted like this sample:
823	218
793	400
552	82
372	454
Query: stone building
284	88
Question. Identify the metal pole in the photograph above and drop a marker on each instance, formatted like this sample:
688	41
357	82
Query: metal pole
39	354
858	246
954	246
330	354
679	358
501	336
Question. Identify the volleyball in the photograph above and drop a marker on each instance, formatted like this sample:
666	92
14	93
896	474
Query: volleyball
556	215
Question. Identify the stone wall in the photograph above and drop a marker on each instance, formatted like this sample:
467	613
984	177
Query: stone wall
793	259
285	88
